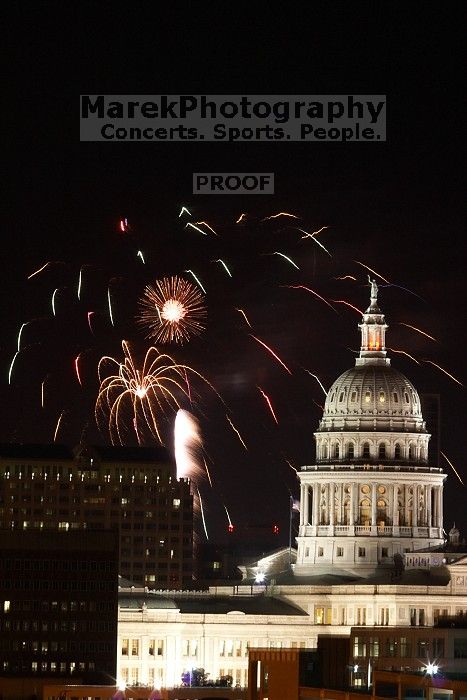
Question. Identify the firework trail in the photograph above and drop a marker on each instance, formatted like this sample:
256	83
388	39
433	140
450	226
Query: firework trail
236	432
286	257
184	210
341	301
224	266
59	422
197	228
414	328
281	213
373	271
271	352
205	223
307	289
240	218
451	376
196	279
346	277
313	237
317	379
172	311
268	401
244	316
402	352
453	467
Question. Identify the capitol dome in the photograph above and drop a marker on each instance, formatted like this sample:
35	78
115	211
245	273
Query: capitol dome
372	411
371	493
376	390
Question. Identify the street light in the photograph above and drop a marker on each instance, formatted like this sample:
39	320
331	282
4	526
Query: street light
259	578
432	669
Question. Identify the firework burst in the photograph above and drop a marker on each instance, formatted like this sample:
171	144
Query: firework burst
138	396
172	311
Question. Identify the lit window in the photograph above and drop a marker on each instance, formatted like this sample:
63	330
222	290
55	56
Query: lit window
6	606
367	396
382	397
176	503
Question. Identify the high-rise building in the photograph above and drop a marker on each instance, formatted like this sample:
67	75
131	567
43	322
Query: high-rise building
58	608
133	491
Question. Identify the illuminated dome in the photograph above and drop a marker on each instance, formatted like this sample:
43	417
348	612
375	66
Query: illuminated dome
375	394
372	411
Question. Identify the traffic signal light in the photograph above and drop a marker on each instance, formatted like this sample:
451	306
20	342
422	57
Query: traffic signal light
275	529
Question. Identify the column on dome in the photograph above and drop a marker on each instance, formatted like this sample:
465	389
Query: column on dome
315	513
415	503
408	518
332	503
429	514
352	505
373	504
440	502
395	506
303	504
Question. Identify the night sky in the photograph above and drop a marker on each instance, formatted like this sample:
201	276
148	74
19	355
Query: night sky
394	206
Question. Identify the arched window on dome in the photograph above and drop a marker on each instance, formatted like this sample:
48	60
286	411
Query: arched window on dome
336	450
382	451
367	396
366	450
406	397
365	512
325	450
351	450
353	397
423	454
347	511
341	397
381	512
397	451
332	396
382	396
411	452
395	396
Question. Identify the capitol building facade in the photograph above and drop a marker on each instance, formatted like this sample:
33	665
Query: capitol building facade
371	549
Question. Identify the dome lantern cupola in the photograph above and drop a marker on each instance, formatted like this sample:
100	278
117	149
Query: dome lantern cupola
373	330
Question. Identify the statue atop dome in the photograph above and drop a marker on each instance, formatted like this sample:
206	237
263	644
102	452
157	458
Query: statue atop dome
374	290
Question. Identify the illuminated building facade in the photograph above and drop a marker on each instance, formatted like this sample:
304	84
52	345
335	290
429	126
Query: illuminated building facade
370	551
58	607
133	491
